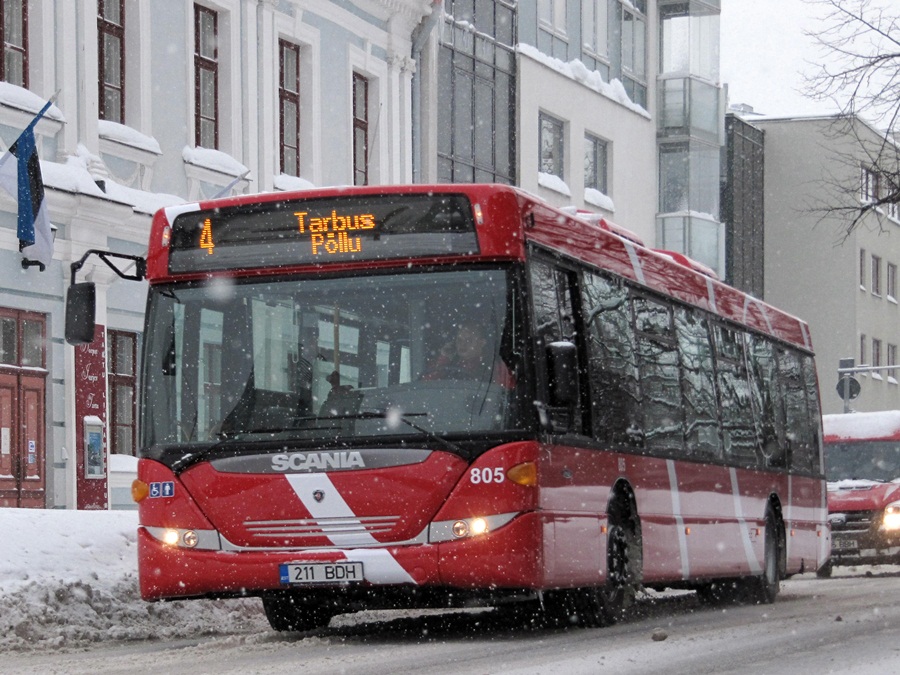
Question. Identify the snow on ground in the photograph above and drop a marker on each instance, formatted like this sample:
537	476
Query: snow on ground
69	578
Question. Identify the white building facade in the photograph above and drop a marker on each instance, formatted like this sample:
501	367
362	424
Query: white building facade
192	100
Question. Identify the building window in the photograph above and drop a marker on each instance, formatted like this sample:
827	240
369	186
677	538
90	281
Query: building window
594	26
869	188
551	148
876	275
862	349
688	177
862	268
633	49
360	130
595	167
206	78
552	14
122	387
891	281
893	210
289	103
892	363
876	356
22	339
476	85
14	27
111	62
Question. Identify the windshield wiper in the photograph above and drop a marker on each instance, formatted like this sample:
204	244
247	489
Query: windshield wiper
227	437
391	414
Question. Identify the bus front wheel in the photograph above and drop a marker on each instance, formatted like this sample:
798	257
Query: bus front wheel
287	613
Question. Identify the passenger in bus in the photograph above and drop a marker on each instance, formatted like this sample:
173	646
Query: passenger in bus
469	356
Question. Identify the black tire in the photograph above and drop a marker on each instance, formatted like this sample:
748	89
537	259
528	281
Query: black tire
286	613
763	590
719	592
607	604
824	572
758	590
622	574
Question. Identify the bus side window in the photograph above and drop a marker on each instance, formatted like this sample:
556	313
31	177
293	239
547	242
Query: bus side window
735	407
658	361
616	414
798	419
768	401
554	318
701	416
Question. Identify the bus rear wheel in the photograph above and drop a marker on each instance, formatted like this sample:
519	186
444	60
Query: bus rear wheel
763	589
287	613
620	590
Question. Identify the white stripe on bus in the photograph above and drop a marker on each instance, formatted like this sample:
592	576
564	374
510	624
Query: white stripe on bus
679	520
379	566
711	291
635	262
752	560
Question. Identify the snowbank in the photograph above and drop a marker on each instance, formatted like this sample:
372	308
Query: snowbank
69	578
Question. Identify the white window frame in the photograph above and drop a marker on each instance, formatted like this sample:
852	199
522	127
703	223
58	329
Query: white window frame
559	124
552	15
595	23
876	275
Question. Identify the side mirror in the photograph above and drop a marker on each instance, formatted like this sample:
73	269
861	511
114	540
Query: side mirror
81	302
563	372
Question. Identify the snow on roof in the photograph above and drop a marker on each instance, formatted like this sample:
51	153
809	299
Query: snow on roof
597	198
577	71
213	159
865	425
17	97
74	177
555	183
127	136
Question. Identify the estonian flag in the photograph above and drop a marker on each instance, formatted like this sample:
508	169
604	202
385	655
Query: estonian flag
22	180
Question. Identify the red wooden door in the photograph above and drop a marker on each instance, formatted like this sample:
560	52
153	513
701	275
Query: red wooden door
22	440
23	451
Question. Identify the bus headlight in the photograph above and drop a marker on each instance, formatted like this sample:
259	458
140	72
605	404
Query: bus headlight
177	538
891	519
469	527
462	528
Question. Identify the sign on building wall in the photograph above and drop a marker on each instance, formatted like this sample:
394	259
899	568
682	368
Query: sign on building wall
90	416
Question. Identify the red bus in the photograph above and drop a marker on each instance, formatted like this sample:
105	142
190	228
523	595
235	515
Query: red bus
449	395
862	465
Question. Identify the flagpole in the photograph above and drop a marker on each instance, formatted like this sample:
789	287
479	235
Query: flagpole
34	227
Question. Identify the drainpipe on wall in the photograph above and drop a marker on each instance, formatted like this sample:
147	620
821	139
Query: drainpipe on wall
419	37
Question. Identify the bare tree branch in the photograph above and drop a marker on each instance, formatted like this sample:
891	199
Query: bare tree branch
859	71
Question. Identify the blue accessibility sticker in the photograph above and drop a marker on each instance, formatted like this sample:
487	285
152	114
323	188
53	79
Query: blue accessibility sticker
162	489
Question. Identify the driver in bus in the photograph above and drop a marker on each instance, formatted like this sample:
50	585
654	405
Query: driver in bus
469	356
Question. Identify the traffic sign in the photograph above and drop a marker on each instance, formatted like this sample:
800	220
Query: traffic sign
852	387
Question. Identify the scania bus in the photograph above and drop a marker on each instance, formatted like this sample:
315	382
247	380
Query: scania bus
862	466
616	419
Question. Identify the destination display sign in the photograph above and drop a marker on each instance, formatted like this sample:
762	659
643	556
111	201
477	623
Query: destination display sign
322	231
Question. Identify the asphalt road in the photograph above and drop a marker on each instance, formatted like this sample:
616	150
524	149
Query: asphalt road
846	624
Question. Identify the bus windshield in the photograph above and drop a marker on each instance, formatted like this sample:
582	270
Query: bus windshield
863	460
337	358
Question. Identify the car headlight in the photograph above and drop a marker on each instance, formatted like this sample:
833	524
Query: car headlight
891	519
